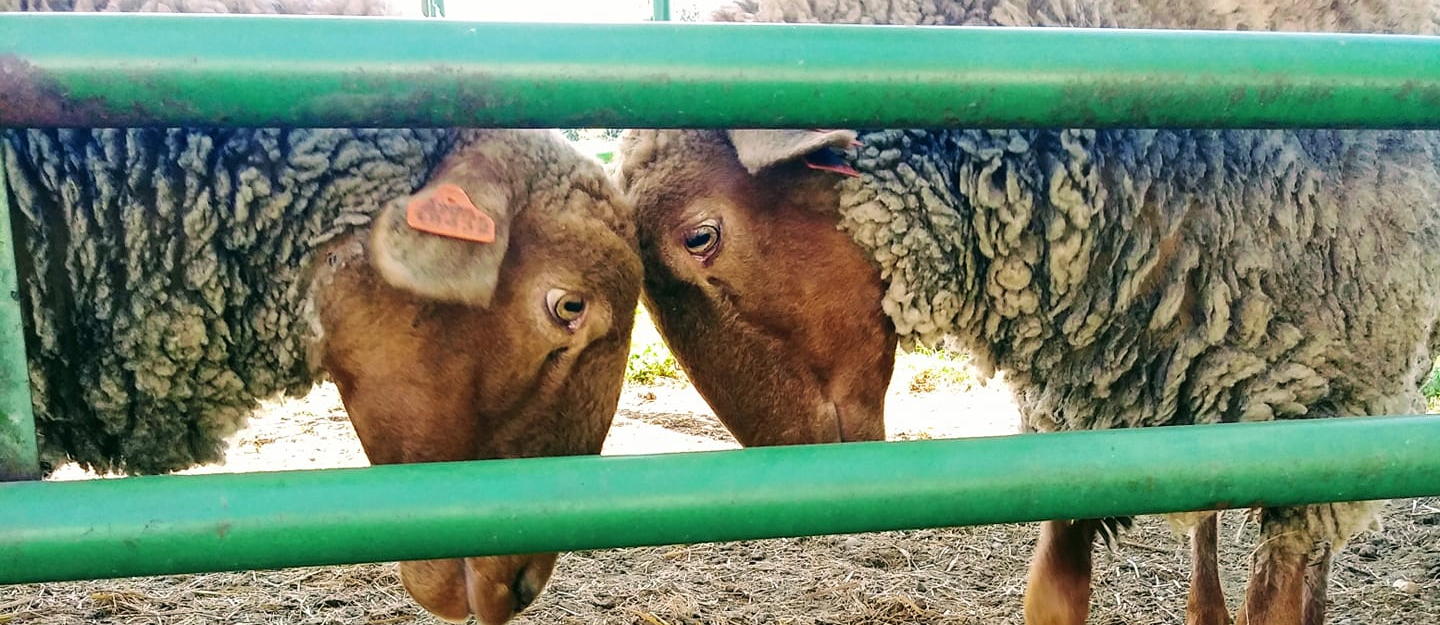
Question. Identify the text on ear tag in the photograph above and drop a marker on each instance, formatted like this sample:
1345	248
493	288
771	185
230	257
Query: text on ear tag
448	212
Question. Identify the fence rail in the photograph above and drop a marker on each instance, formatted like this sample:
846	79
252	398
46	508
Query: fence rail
175	524
147	69
19	459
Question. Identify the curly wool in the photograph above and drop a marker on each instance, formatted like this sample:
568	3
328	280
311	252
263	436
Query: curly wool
1374	16
162	274
1129	278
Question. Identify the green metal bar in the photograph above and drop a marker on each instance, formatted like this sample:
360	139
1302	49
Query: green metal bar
144	69
173	524
661	9
18	457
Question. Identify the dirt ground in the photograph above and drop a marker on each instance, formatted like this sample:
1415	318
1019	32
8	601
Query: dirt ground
942	576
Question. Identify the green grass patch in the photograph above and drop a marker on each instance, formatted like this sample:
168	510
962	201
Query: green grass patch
1431	389
931	370
650	360
652	364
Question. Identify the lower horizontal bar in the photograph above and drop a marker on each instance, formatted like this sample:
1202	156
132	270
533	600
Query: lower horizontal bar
176	524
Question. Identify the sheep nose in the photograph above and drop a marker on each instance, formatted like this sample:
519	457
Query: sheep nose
524	591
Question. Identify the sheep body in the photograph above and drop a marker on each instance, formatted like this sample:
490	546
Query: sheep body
161	269
1132	278
1372	16
1119	278
172	277
182	292
1084	265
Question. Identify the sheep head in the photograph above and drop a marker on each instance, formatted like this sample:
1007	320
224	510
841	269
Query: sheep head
504	335
773	312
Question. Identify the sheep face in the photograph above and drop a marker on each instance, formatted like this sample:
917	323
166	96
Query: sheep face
448	349
772	311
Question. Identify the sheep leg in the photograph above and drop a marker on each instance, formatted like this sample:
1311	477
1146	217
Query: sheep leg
1205	604
1058	589
1317	577
1276	592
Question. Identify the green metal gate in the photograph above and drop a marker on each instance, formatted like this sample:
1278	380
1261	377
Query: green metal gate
136	70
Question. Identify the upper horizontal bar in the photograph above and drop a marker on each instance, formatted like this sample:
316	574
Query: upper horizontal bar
148	69
53	531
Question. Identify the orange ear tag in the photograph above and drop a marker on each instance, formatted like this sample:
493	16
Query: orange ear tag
448	212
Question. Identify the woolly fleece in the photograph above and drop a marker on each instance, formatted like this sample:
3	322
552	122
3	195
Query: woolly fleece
162	268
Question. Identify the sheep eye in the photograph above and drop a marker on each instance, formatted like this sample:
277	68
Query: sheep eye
703	239
565	306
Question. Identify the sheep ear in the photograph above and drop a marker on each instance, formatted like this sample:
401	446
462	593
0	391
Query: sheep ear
759	149
444	242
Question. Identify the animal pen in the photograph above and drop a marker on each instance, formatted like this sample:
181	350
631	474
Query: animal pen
110	70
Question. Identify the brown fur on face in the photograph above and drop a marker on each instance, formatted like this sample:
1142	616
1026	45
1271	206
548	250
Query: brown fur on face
428	375
779	289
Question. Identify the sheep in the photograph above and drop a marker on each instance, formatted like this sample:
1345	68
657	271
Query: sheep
1118	278
154	393
171	277
444	349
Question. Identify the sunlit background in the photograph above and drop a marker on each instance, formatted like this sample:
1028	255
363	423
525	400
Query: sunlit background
597	141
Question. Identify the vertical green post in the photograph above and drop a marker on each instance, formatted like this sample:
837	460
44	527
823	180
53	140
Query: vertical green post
662	10
18	457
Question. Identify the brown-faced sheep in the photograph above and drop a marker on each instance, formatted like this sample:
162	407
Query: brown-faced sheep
172	277
1120	278
447	349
